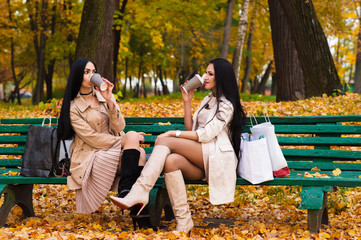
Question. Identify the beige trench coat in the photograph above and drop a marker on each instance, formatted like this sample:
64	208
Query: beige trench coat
222	159
88	136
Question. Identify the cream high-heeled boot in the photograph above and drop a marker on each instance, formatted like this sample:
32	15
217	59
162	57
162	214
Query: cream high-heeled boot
139	193
178	197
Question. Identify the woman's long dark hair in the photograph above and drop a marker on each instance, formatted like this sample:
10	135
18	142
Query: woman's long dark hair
76	75
226	85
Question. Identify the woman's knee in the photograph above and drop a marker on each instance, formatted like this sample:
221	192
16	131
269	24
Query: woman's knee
165	141
171	163
130	140
131	136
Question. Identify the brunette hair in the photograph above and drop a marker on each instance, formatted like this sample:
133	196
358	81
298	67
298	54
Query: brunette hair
226	85
75	79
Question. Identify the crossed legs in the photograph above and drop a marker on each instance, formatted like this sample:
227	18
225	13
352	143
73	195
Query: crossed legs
186	155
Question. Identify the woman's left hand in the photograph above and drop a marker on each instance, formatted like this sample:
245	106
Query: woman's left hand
107	94
166	134
141	136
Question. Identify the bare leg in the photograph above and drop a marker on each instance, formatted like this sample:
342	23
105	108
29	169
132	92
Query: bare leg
131	141
186	155
190	171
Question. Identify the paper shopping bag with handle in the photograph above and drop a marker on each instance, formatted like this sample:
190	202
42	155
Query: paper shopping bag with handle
254	164
40	153
279	163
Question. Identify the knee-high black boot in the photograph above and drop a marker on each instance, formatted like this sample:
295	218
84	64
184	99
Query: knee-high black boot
129	171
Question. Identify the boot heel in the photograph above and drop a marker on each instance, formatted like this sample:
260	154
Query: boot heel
141	208
117	201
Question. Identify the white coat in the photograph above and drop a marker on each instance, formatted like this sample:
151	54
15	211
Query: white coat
223	161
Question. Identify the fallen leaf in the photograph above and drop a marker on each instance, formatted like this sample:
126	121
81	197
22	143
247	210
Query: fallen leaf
336	172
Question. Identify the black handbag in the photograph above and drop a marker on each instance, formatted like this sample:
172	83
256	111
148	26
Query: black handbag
41	151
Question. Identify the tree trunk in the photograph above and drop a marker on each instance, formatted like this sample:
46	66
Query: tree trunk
117	35
357	76
51	65
180	69
164	86
254	85
274	84
314	53
12	59
140	66
290	80
242	28
248	59
227	29
261	88
126	77
67	5
143	87
36	17
95	40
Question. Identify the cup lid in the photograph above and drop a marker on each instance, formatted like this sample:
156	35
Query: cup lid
200	78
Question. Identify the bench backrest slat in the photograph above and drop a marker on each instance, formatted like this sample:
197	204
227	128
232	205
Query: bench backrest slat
305	141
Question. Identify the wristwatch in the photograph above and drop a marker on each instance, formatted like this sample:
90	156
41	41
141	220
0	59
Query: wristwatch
177	133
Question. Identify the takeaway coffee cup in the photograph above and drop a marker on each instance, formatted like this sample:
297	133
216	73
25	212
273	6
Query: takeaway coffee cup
97	80
193	83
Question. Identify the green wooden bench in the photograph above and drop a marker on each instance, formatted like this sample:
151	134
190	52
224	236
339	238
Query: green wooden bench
324	138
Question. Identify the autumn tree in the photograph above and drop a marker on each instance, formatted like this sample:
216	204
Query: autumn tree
117	30
357	76
320	74
289	75
96	37
227	29
242	27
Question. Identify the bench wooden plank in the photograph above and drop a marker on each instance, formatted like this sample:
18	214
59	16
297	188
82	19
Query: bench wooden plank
12	139
307	166
154	128
318	129
129	120
328	141
12	150
319	153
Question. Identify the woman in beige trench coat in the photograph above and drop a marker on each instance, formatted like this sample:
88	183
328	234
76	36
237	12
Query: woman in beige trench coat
208	149
100	151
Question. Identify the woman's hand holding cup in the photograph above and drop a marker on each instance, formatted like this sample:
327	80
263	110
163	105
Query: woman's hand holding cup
187	96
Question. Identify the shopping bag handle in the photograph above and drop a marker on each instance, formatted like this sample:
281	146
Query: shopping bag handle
254	119
47	117
266	116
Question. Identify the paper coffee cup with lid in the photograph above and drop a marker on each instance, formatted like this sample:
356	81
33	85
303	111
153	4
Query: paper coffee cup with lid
193	83
97	80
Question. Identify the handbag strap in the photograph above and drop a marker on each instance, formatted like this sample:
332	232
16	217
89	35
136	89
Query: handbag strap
53	151
66	151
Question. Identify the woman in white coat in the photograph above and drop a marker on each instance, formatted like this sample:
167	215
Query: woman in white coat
208	149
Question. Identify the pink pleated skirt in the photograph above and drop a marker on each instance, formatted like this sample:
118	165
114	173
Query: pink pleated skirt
98	179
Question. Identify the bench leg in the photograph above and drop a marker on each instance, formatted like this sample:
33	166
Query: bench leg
159	200
21	195
317	217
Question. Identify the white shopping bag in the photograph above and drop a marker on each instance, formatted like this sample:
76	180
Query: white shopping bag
279	163
254	164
